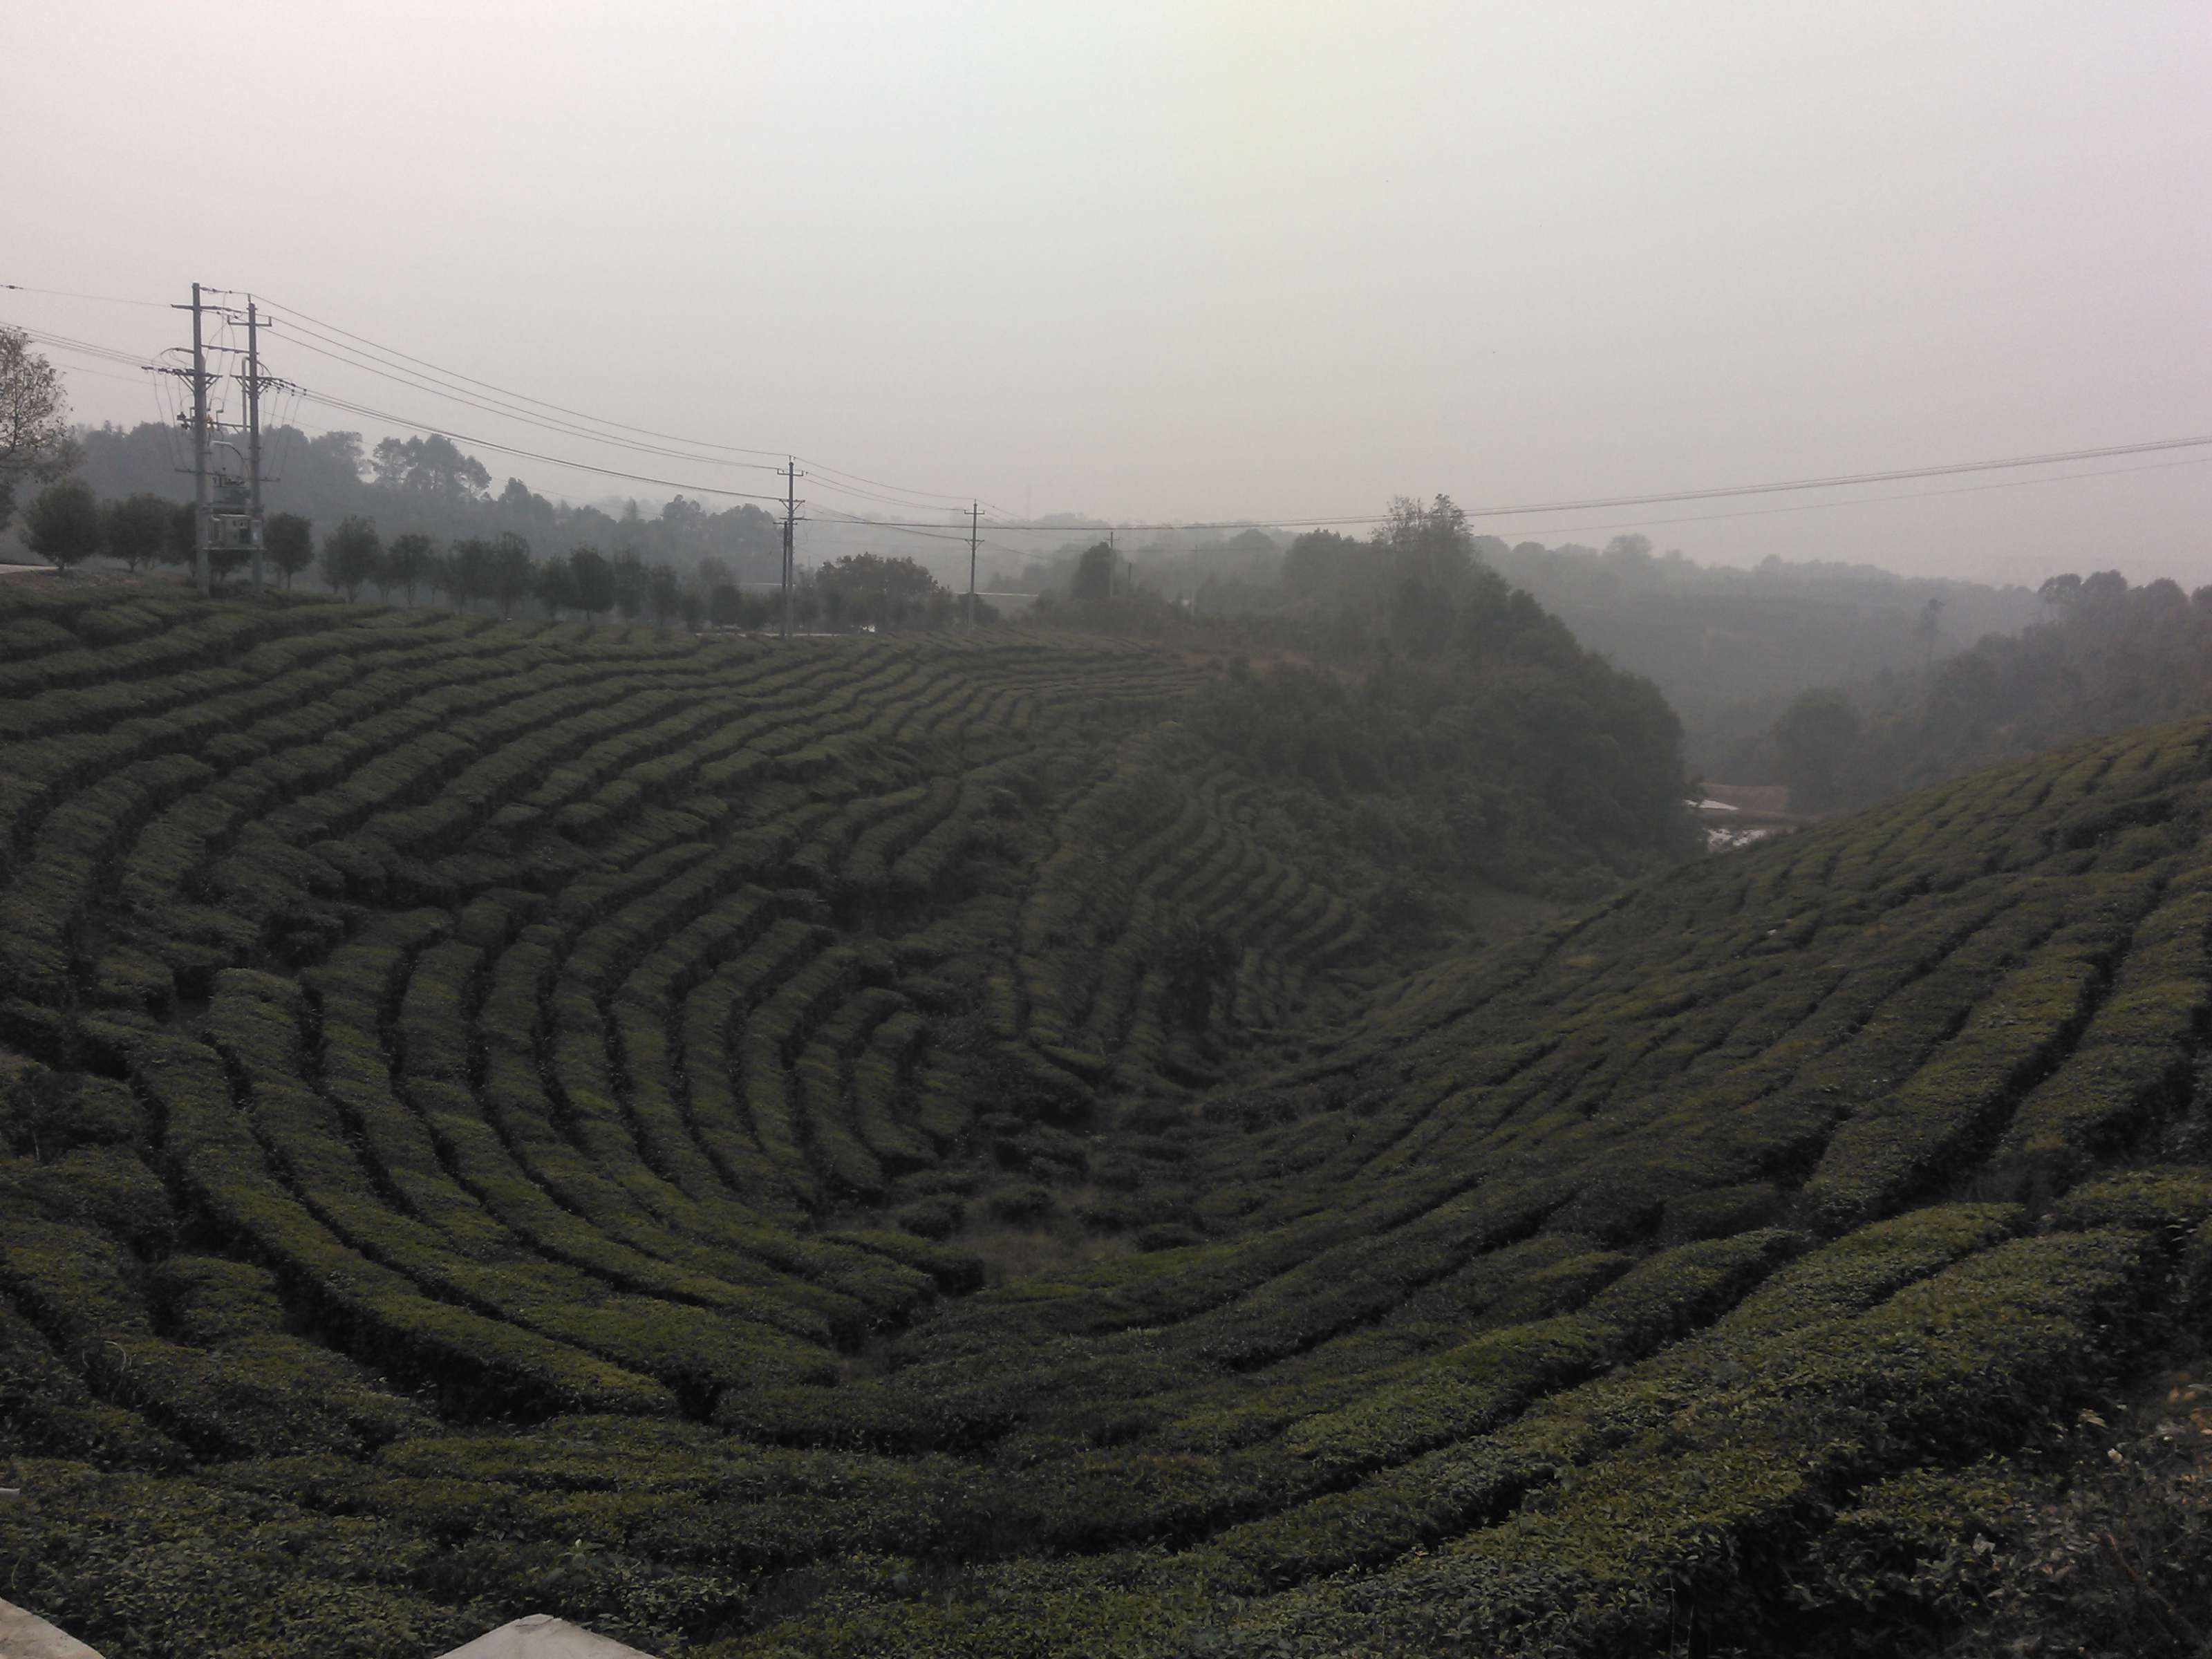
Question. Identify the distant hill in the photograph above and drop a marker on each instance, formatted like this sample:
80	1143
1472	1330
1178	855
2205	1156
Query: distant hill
1730	648
948	1144
2102	657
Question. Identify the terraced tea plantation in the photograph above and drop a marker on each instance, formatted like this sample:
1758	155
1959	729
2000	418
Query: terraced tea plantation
709	1138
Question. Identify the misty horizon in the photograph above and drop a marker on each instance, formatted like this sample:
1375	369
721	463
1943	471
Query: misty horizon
1238	266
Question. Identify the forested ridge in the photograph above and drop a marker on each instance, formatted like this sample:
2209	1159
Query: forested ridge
426	484
964	1143
1731	648
2100	657
1728	648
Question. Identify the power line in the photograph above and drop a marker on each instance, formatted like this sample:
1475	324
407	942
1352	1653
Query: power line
1869	500
506	411
1800	507
350	408
68	293
815	466
924	535
375	359
90	348
522	397
898	489
1521	510
1948	468
98	373
891	500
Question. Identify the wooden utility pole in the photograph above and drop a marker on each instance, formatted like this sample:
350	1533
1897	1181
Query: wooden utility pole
975	512
253	435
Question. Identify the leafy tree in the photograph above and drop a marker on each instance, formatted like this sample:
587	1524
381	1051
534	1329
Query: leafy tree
350	553
513	575
664	596
630	583
1094	574
595	582
432	466
291	542
35	446
1819	737
2104	588
1629	554
694	610
408	561
725	605
1512	757
178	546
338	454
136	528
442	578
556	586
63	523
475	565
436	490
2106	655
1929	629
1430	551
1433	542
1323	564
869	588
381	576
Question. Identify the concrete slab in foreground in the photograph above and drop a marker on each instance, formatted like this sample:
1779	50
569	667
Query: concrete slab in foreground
27	1636
540	1636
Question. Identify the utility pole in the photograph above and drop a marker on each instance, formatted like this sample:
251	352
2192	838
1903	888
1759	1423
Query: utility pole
790	517
199	451
253	433
975	512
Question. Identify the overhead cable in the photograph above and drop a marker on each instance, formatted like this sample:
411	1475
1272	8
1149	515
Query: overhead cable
351	408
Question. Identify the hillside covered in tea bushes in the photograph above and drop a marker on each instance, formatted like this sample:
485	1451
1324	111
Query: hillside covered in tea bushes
912	1146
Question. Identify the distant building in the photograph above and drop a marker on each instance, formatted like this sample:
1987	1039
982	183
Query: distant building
1737	815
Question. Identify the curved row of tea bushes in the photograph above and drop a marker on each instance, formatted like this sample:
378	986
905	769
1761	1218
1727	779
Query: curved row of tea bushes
525	1115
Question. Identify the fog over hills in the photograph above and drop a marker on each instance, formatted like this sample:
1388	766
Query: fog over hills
995	831
1199	265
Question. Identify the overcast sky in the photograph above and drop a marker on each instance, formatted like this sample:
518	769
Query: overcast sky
1176	262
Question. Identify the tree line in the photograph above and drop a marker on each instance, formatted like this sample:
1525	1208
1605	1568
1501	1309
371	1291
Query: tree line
1449	731
1728	647
67	525
2103	656
429	484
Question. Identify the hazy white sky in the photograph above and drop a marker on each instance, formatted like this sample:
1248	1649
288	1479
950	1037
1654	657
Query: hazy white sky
1192	261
